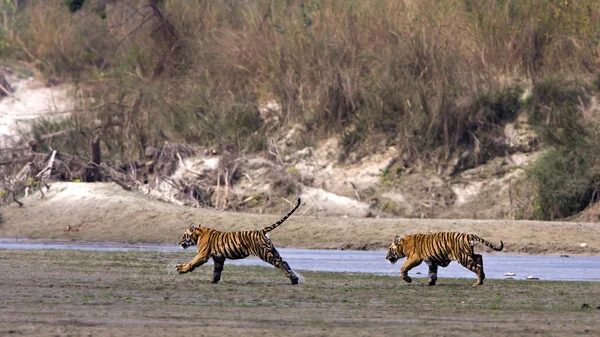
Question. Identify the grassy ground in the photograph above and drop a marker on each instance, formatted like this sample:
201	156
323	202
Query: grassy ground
123	294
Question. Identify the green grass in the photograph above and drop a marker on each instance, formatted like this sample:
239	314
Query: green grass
139	286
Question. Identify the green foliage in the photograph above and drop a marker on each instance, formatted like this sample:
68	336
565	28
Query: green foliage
500	106
31	182
393	174
566	180
75	143
292	170
568	175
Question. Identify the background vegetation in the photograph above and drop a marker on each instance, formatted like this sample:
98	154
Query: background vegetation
432	77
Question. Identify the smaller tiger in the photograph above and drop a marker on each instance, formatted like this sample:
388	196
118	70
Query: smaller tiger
438	249
233	245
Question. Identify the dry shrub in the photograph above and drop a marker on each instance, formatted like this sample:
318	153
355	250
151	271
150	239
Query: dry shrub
61	43
165	159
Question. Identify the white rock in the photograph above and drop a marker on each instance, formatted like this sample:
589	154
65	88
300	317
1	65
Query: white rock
532	278
583	244
509	274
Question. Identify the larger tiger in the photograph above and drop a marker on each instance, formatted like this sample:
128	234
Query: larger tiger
438	249
233	245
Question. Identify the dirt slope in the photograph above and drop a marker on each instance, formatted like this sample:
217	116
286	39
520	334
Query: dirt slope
31	100
104	211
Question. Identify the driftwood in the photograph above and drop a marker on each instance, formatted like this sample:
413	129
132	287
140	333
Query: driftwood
153	176
26	179
45	173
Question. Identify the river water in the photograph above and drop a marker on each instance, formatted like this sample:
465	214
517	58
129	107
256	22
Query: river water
573	268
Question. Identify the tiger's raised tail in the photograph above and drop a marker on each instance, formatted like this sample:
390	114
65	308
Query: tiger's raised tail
487	243
273	226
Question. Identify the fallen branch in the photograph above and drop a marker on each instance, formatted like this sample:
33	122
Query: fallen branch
48	168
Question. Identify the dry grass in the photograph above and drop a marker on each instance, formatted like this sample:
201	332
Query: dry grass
413	70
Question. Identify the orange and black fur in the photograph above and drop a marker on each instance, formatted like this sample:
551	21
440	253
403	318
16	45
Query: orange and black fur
233	245
438	249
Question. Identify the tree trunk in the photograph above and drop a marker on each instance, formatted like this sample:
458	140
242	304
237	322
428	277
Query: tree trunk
93	173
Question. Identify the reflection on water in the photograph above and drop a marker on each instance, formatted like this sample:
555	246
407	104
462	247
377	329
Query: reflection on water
574	268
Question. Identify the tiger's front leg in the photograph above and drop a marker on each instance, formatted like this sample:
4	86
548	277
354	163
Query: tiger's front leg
196	262
409	264
432	276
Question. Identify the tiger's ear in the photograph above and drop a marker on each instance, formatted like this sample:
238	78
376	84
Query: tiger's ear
192	227
397	240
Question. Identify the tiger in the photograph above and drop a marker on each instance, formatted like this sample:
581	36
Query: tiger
233	245
438	249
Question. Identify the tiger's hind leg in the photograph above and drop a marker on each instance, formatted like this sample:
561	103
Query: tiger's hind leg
219	262
475	264
432	276
479	261
271	256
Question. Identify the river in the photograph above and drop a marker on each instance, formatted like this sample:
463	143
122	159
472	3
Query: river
547	267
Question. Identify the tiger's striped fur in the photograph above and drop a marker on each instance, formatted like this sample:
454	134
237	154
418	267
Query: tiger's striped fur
438	249
233	245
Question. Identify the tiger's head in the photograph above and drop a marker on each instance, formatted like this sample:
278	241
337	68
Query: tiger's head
395	251
189	237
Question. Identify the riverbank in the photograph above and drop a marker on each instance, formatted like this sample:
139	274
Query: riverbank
106	212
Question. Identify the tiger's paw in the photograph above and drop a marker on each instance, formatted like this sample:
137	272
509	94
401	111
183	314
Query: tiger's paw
181	268
406	278
431	281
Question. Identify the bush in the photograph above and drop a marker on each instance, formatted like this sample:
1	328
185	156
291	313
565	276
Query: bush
568	175
566	180
556	111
